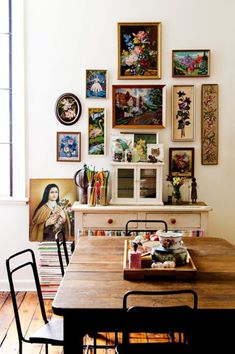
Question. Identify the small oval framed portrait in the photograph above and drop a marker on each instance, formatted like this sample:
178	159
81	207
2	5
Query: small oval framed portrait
68	109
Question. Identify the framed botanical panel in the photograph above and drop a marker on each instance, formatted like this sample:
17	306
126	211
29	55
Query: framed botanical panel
181	162
68	146
139	50
68	109
209	124
183	120
191	63
139	106
96	83
96	131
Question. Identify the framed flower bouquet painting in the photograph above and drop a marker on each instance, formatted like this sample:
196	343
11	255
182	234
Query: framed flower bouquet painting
68	146
139	50
181	162
68	109
139	106
96	83
191	63
183	119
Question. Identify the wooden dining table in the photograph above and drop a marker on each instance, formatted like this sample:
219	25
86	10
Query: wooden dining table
90	295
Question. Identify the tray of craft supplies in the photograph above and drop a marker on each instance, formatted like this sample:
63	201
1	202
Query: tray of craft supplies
157	261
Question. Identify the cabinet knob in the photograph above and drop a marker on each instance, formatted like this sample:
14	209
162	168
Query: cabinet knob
110	221
173	221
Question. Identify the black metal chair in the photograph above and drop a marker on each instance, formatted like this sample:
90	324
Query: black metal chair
128	231
158	319
62	250
52	331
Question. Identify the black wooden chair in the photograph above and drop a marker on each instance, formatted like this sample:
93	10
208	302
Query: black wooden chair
52	331
62	250
158	319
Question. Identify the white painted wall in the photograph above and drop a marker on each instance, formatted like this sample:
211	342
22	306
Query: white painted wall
63	38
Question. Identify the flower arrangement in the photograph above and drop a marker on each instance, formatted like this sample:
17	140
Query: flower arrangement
140	55
68	146
183	113
67	108
176	182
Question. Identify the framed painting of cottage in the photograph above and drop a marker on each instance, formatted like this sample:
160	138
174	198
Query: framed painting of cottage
191	63
68	109
139	50
96	131
183	119
96	83
209	124
68	146
139	106
181	162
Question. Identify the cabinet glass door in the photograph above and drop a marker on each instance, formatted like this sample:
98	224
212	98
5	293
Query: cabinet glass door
125	183
148	183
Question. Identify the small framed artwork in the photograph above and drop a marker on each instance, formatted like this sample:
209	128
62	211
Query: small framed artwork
96	83
68	146
121	143
181	162
191	63
96	131
183	119
209	124
68	109
139	106
141	142
155	150
139	50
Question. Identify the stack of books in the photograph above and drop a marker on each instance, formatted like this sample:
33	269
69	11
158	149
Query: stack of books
49	268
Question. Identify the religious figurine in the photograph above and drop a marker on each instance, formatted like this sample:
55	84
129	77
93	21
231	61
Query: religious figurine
194	190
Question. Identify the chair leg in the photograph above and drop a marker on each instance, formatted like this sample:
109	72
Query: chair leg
46	349
20	347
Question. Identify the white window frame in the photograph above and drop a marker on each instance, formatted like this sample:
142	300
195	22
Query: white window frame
18	105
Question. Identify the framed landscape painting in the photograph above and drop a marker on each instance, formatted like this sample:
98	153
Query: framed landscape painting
191	63
96	131
96	83
139	50
139	106
68	146
183	119
181	162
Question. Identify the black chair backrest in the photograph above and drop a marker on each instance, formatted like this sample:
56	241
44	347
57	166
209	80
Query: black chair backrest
13	265
62	249
128	232
159	319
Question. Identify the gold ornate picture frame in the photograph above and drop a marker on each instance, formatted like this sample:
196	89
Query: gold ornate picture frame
139	50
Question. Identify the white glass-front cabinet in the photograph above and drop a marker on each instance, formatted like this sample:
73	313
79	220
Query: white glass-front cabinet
136	183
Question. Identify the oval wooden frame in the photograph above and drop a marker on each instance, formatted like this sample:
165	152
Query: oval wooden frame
75	105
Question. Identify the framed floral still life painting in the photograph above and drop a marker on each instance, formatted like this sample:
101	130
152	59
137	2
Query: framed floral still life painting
68	109
68	146
209	124
181	162
191	63
96	131
96	83
139	106
139	50
183	119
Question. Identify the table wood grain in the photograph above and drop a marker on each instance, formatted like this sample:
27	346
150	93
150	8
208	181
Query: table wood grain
93	286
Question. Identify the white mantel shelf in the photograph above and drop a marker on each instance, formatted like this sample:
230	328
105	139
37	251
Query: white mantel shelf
163	208
188	217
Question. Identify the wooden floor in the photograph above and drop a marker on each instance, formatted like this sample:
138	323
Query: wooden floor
29	311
